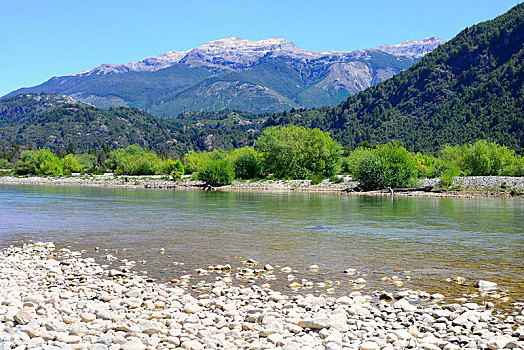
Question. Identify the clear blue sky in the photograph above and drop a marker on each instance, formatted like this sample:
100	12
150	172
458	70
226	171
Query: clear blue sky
41	39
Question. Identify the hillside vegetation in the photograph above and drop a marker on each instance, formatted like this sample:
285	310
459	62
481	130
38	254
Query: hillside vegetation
55	121
25	107
289	152
470	88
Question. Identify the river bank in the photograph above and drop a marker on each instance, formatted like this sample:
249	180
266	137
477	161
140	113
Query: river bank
61	300
462	187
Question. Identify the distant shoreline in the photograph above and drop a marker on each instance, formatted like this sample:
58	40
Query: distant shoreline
478	186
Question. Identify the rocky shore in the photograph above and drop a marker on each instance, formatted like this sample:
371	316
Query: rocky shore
465	187
58	299
107	180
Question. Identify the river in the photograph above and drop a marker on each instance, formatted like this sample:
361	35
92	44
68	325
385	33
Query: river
423	241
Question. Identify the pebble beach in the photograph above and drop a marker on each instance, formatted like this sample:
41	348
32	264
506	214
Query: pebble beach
60	299
470	186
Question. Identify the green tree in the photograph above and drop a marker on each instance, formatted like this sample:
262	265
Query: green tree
169	166
71	164
71	149
483	158
194	161
350	163
87	161
40	162
217	172
389	165
297	152
27	164
246	163
134	160
4	163
372	172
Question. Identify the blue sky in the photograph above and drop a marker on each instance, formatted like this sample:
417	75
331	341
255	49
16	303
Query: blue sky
41	39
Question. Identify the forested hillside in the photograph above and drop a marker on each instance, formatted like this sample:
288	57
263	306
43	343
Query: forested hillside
24	107
470	88
55	121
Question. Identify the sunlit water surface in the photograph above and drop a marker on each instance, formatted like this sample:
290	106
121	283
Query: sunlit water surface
434	238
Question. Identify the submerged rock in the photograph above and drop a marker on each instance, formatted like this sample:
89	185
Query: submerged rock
485	285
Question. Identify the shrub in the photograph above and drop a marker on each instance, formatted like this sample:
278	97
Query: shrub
371	173
71	164
41	162
316	179
217	172
27	164
298	153
194	161
134	160
345	165
484	158
389	165
4	163
246	163
169	166
430	166
351	162
176	175
87	161
518	169
50	167
448	175
402	168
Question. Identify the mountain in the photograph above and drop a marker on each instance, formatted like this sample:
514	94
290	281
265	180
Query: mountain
259	76
25	107
55	121
471	87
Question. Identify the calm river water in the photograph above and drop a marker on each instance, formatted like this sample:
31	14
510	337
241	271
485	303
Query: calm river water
434	238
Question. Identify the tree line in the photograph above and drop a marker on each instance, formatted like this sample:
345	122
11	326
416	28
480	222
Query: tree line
290	152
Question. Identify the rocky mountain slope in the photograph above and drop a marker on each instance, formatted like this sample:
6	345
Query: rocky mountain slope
24	107
471	87
260	76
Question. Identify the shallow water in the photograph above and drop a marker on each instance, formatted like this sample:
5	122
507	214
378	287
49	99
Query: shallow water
434	238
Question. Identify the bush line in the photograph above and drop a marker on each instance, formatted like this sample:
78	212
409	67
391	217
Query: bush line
289	152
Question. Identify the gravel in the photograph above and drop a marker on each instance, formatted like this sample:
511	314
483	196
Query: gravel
53	299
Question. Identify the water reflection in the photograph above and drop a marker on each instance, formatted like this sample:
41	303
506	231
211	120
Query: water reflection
435	238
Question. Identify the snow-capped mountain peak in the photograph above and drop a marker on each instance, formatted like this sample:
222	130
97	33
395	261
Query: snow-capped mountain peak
412	48
236	53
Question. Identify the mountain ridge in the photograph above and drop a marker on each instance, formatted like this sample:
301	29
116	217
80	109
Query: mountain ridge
169	58
155	83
